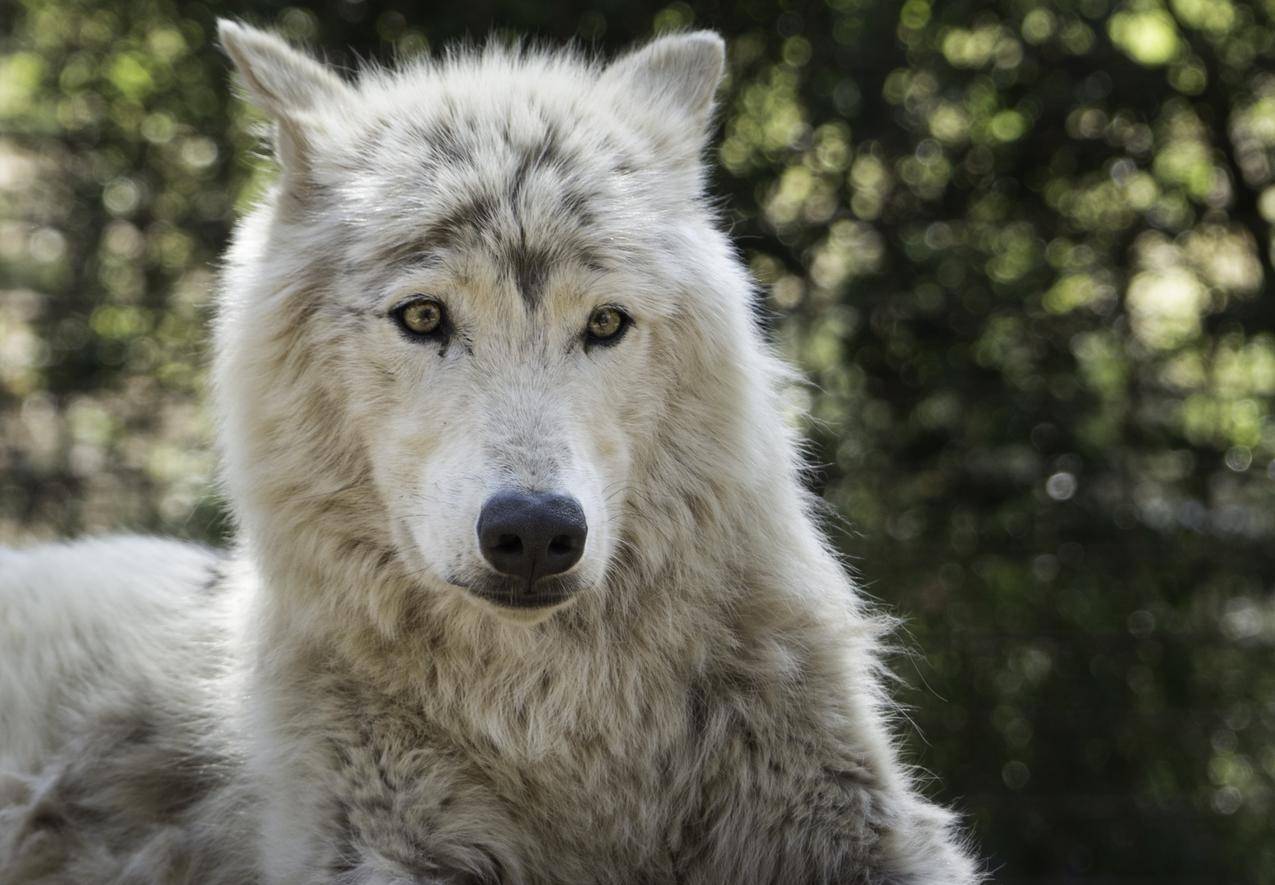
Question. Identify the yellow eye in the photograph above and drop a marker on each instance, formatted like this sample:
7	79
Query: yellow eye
607	325
420	316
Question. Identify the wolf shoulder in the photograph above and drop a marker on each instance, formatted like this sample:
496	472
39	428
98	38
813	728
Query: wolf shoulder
81	620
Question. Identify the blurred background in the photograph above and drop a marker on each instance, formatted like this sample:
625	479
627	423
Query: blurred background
1023	249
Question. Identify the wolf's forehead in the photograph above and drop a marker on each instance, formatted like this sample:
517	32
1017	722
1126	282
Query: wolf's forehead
524	189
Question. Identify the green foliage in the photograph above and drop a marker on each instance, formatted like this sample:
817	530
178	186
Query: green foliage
1023	248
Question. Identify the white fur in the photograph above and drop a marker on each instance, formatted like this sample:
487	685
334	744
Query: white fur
73	617
707	707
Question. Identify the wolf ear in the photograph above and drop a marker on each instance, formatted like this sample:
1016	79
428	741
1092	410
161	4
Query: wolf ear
286	84
681	71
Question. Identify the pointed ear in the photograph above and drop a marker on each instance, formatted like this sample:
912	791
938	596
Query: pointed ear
681	70
285	83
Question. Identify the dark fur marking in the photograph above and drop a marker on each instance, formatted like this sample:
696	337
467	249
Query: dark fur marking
529	159
446	141
45	817
477	212
479	215
470	216
142	766
696	711
420	252
555	152
577	202
530	270
547	152
527	265
213	582
590	260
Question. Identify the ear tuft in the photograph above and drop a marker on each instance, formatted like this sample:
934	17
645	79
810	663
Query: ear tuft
681	69
282	80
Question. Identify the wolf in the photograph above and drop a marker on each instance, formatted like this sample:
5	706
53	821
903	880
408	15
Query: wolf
527	587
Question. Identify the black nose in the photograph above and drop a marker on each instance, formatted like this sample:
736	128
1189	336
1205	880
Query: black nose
531	535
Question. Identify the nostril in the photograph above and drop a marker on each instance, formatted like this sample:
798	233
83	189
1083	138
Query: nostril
561	544
511	544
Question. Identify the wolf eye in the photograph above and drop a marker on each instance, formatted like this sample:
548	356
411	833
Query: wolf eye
607	325
420	317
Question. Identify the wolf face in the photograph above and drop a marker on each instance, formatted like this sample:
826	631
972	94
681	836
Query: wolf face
502	431
484	256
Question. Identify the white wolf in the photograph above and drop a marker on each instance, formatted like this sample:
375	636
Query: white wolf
527	588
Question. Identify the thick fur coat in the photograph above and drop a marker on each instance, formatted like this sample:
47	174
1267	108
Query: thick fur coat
354	696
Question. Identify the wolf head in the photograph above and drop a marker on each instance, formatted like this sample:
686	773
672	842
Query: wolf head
483	328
